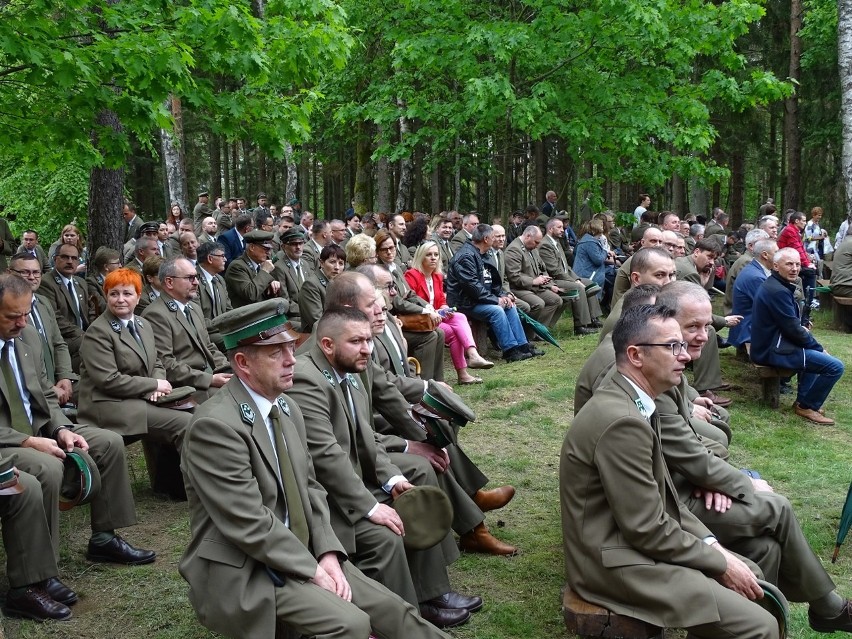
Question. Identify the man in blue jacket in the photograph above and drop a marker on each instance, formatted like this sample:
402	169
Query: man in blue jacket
746	286
784	343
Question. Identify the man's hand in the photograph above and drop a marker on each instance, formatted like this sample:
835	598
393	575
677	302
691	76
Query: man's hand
733	320
703	401
700	412
68	440
329	576
738	577
388	517
220	379
163	389
719	502
44	445
63	391
400	487
761	485
268	266
438	457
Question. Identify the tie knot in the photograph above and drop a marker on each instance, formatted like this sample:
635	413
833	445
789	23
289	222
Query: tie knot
274	413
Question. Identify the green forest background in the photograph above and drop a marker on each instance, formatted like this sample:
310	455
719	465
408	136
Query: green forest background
427	105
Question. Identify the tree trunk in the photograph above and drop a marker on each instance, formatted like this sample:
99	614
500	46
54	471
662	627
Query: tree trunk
215	178
737	195
173	155
235	171
436	189
698	200
844	50
457	178
405	178
228	191
106	197
383	180
417	199
792	194
363	167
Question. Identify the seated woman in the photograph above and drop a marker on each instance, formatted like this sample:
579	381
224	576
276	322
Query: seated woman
71	235
592	255
332	259
121	377
426	280
151	287
361	249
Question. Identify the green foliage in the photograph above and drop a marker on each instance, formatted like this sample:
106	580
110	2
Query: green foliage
64	61
630	84
45	200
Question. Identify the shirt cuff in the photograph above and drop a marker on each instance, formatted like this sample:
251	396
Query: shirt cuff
372	510
393	481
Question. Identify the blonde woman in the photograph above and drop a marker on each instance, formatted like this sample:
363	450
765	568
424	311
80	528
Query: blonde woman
426	280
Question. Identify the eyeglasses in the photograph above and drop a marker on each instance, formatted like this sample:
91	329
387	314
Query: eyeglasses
676	347
216	255
391	286
188	278
26	273
387	249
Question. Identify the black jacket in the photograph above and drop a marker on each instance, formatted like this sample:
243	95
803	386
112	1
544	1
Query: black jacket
472	279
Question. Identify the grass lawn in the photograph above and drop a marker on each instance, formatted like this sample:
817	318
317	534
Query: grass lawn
523	412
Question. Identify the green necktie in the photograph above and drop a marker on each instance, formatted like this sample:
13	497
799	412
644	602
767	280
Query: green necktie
295	508
20	421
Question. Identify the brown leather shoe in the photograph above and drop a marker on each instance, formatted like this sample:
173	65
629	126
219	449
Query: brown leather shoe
840	623
494	498
813	415
35	603
717	399
481	540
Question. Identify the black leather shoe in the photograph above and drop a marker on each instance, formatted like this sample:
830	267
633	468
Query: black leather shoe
596	323
516	354
444	617
118	551
584	330
58	591
454	599
35	603
840	623
535	352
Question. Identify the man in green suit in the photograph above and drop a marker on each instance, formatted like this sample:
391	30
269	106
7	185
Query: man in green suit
36	435
362	479
263	549
622	524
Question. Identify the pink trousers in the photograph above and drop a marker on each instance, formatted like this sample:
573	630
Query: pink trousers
458	337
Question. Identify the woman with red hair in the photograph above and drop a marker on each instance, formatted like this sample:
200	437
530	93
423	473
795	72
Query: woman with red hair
121	377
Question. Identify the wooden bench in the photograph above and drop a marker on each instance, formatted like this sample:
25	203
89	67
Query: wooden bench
824	298
770	380
841	309
479	331
163	463
587	620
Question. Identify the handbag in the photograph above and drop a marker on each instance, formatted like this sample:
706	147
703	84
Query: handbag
418	323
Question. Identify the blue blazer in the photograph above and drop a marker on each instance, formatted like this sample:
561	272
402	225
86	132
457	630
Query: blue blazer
747	284
231	242
779	339
589	257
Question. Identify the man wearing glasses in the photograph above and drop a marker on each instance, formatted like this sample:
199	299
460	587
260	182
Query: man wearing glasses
183	344
622	525
212	291
67	294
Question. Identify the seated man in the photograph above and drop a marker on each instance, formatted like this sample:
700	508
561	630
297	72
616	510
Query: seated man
263	549
183	344
651	237
362	479
68	295
529	280
35	434
393	390
35	591
743	513
57	359
291	269
212	290
747	284
742	261
784	343
249	277
623	527
474	288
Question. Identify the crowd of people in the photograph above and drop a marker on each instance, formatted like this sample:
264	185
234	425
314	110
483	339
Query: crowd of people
296	368
648	494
